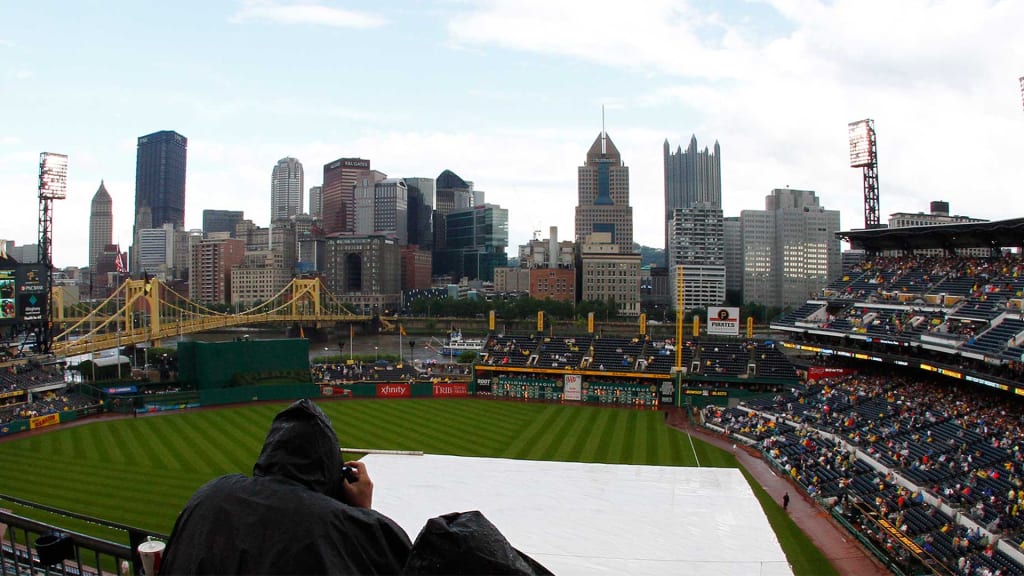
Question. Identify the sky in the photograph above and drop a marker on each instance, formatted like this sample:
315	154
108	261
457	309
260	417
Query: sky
509	94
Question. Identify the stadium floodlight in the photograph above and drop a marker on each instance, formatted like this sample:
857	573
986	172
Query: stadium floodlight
53	185
864	154
53	176
861	151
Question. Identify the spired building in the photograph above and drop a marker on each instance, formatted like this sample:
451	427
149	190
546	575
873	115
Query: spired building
286	187
603	192
101	225
691	178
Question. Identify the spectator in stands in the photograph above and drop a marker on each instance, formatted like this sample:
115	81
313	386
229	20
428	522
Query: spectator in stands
295	515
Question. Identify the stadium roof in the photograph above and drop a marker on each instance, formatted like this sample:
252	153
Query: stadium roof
999	234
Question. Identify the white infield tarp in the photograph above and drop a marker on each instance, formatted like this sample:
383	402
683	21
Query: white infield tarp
591	518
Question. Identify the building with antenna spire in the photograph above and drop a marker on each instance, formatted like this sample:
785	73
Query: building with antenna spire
603	196
609	267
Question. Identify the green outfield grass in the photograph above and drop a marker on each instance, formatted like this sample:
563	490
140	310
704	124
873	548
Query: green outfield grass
141	471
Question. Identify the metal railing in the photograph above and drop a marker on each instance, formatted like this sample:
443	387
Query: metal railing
30	547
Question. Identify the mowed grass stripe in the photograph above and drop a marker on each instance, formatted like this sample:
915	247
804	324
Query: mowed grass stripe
107	495
245	443
597	436
566	440
28	468
538	427
446	436
620	439
197	446
547	443
679	448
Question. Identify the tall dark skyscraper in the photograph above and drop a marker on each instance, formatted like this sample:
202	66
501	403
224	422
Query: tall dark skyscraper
692	177
160	178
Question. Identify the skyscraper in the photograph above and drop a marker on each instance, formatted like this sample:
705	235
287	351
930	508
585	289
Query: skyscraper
603	192
160	178
452	193
691	177
790	249
286	187
421	207
697	245
316	202
339	202
476	241
159	184
101	225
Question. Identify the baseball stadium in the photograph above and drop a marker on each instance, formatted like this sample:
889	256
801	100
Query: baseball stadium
876	428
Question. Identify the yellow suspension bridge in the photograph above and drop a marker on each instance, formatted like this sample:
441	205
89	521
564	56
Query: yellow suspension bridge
150	311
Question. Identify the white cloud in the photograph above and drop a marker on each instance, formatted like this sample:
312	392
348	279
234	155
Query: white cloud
305	13
658	35
940	80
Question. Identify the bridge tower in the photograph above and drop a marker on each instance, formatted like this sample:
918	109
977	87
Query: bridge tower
302	287
148	291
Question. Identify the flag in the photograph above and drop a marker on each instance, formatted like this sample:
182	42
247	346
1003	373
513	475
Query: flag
401	330
119	263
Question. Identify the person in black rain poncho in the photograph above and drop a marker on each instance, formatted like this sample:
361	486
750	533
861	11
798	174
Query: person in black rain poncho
295	515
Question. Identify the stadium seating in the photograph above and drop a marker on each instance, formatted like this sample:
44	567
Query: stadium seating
963	304
961	446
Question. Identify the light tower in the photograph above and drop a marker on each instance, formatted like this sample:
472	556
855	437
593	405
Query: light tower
53	185
863	154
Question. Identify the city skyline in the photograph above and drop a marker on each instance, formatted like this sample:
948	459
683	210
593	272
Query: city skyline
506	94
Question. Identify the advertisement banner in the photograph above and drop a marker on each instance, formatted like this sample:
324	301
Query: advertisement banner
450	389
394	390
819	372
327	390
42	421
483	385
573	387
723	321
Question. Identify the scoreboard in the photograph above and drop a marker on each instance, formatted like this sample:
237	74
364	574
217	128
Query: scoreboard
22	294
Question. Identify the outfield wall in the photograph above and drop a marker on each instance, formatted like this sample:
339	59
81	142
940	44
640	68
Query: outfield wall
44	421
209	365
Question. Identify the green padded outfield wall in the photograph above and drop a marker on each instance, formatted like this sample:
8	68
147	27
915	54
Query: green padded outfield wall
207	365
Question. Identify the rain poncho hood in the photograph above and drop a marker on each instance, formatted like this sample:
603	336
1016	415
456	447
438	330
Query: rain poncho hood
302	446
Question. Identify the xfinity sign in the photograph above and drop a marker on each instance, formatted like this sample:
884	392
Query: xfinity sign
723	321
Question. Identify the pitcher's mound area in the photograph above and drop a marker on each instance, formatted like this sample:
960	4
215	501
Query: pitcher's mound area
591	518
